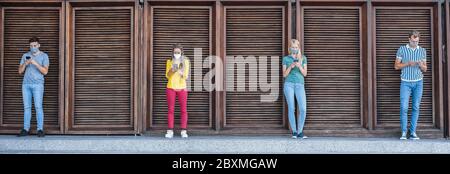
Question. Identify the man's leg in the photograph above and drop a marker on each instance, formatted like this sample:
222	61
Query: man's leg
405	92
27	97
38	95
416	99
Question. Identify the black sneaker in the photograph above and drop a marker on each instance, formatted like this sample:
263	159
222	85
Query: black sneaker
294	135
23	133
302	136
414	136
40	133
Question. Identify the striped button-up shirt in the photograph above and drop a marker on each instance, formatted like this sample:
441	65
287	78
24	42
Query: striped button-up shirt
407	54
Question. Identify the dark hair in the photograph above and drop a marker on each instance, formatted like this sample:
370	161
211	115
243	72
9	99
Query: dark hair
34	39
179	46
414	33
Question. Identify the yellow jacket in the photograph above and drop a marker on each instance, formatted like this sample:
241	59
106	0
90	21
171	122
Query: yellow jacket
176	80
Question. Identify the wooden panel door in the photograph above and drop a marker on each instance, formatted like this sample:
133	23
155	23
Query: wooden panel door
331	42
252	31
392	26
19	25
102	70
191	27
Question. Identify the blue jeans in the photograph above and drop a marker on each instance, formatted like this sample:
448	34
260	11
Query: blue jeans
407	89
35	91
297	90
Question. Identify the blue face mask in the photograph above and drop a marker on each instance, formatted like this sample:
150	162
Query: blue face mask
293	50
34	50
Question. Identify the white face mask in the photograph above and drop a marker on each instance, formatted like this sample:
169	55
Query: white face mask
177	56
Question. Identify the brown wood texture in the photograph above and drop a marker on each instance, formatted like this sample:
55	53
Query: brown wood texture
256	32
191	27
447	72
103	68
110	76
331	42
19	25
392	26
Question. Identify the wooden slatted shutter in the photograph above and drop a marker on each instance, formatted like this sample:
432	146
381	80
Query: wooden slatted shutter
253	31
332	46
103	72
392	28
189	26
20	24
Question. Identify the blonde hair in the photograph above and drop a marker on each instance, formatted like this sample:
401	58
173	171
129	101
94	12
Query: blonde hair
293	42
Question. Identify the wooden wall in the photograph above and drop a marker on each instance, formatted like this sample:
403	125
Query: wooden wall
108	60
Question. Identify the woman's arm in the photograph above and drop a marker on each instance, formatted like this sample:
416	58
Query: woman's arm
287	70
185	70
303	70
169	70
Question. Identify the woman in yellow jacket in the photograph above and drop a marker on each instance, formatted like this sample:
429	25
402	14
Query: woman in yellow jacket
177	71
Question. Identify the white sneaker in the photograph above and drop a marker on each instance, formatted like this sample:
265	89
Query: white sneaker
414	136
184	134
403	137
169	134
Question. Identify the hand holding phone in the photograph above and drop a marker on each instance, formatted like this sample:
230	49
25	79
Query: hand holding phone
175	67
412	63
422	62
27	60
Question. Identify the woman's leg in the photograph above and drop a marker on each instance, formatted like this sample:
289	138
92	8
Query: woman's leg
170	94
182	98
289	95
301	100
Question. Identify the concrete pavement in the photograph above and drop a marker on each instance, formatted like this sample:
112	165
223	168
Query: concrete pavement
218	145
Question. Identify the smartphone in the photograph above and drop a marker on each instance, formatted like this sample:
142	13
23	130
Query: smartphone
175	66
295	60
28	57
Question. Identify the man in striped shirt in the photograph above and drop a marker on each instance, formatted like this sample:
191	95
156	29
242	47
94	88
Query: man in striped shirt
411	60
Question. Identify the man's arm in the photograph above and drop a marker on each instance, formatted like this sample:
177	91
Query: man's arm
423	65
42	69
399	65
22	68
23	64
423	61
